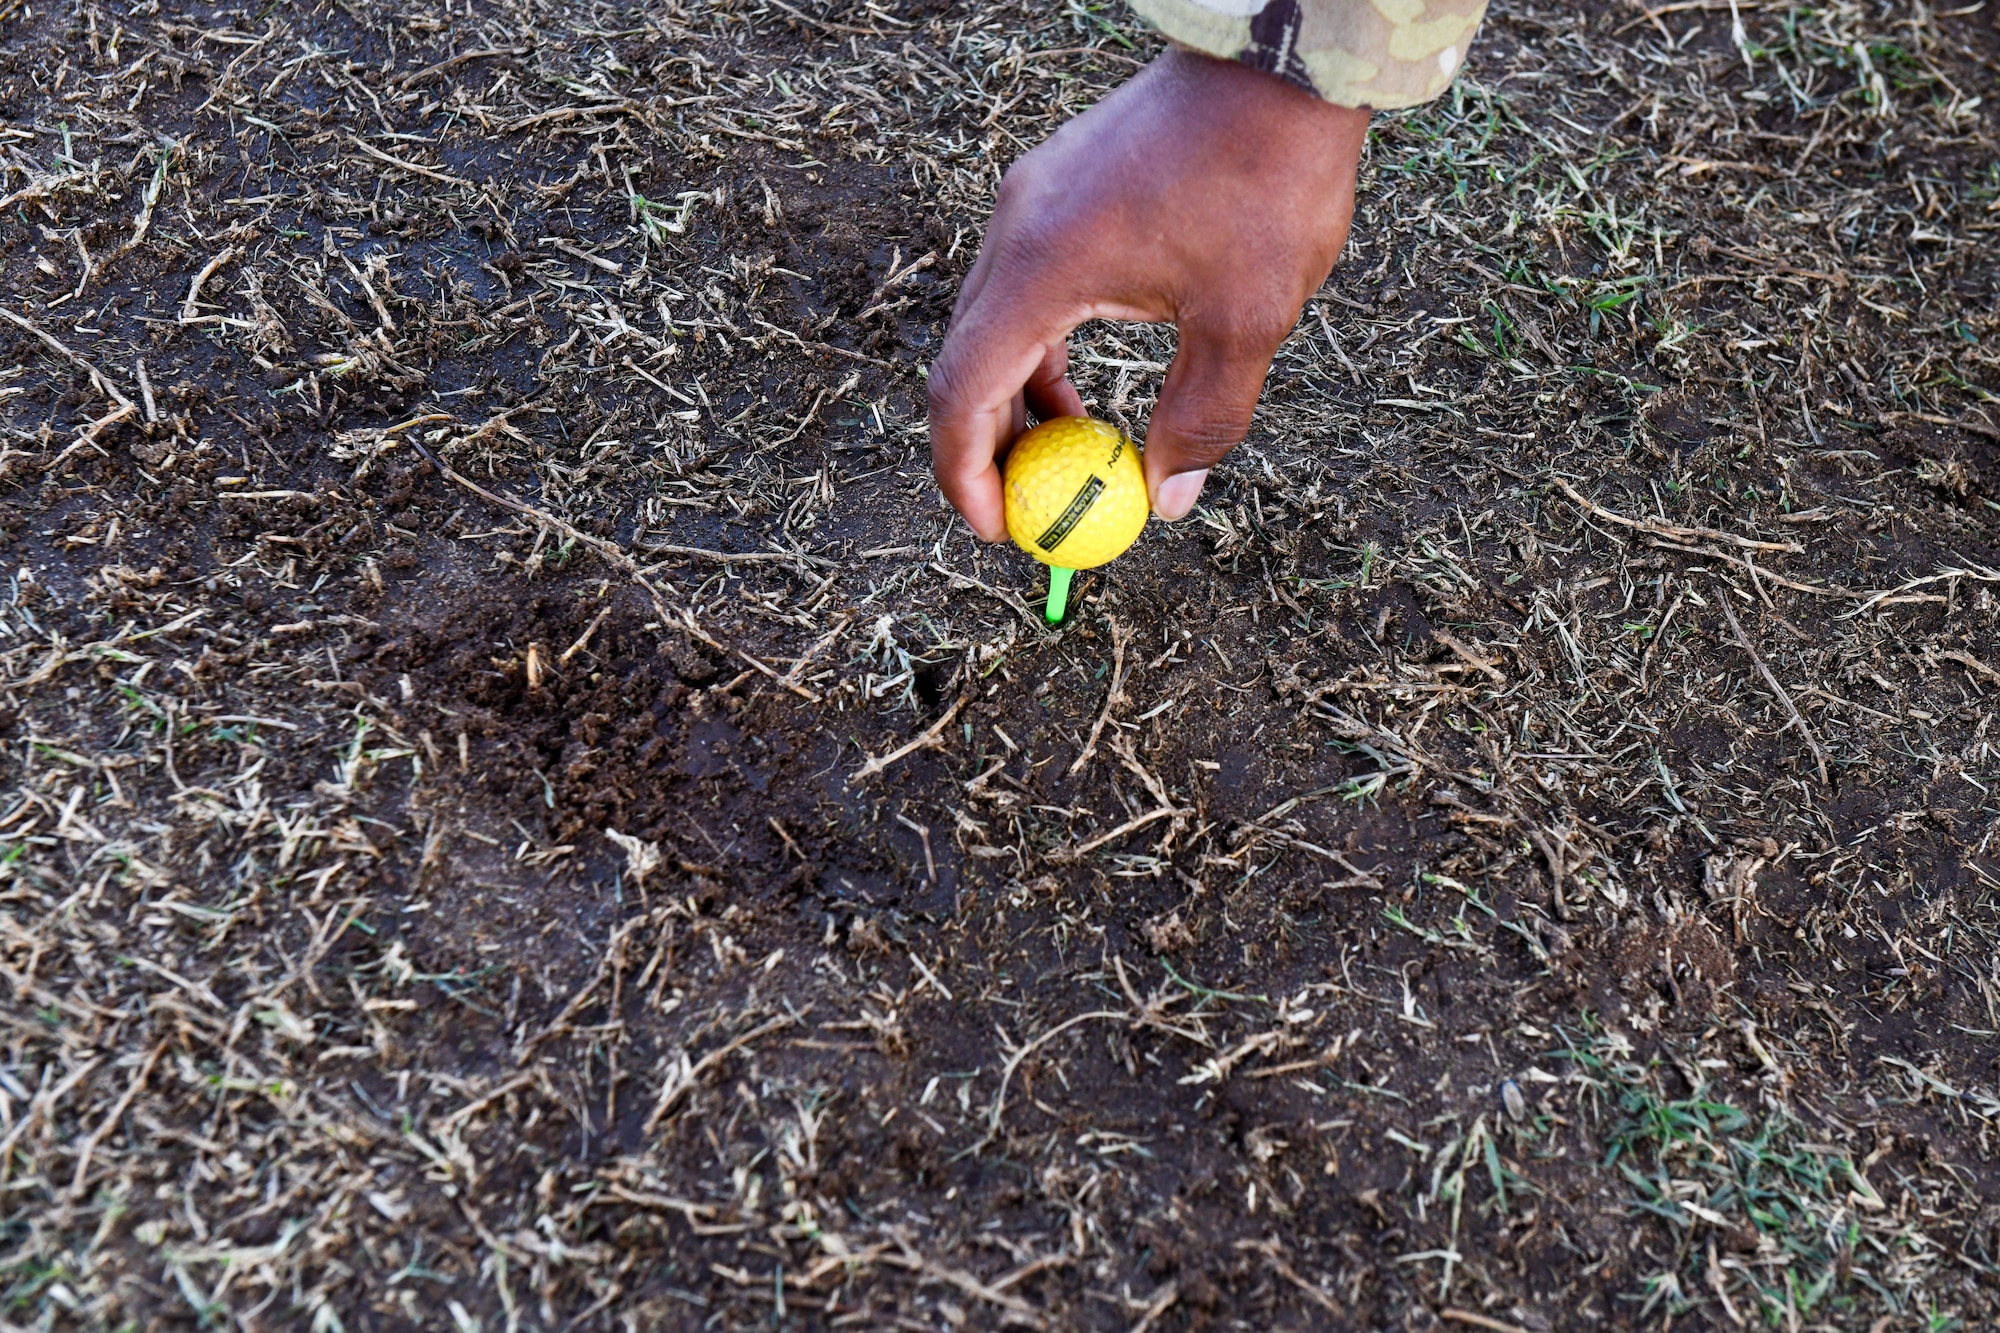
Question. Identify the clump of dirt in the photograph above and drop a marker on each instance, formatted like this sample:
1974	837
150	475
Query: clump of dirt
525	811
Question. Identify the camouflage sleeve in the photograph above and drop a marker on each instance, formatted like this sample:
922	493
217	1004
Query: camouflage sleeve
1372	53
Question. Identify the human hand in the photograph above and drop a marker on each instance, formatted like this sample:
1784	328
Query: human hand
1202	192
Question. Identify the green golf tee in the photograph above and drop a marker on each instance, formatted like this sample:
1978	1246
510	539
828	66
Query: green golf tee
1058	593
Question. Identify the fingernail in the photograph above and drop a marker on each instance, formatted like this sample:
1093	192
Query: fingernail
1178	493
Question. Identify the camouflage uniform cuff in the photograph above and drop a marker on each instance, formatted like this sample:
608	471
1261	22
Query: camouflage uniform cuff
1359	53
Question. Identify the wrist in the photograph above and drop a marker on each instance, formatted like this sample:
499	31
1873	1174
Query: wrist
1211	77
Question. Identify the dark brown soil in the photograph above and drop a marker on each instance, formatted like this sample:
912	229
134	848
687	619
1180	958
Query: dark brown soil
1458	917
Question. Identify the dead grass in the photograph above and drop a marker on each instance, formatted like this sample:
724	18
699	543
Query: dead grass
525	813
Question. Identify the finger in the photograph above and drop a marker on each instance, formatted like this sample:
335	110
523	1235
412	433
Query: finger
1048	391
975	279
964	444
977	403
1204	411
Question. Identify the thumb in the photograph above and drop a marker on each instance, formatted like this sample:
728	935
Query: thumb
1204	412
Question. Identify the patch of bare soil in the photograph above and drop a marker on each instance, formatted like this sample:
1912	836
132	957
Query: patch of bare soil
524	812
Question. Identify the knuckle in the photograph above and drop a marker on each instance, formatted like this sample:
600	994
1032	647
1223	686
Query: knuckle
1028	176
1036	225
1246	324
1207	428
944	391
1210	415
1255	332
1028	243
1201	455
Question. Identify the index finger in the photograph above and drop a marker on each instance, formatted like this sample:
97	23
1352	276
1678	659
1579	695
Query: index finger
996	349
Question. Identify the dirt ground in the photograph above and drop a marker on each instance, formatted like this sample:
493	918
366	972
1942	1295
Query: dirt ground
523	810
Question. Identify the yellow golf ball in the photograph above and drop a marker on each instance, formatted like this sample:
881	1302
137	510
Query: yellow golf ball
1075	493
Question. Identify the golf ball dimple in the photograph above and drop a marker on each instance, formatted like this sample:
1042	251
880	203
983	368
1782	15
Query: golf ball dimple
1075	493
